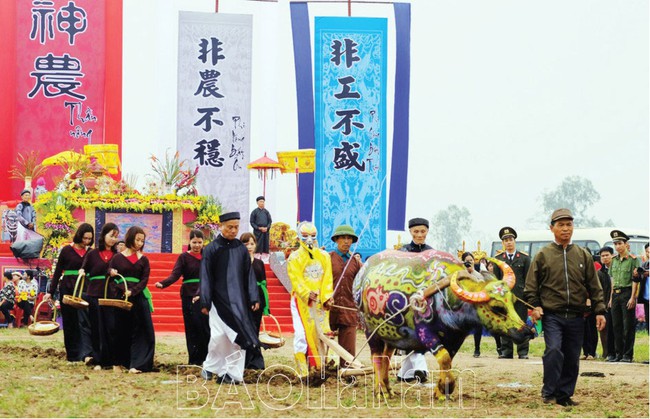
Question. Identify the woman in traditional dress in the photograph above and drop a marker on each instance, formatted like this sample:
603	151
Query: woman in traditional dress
76	323
254	358
197	328
136	332
102	324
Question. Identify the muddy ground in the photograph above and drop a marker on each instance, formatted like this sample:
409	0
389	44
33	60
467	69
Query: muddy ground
39	382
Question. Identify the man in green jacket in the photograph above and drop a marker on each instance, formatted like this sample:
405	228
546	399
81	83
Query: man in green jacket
624	293
561	279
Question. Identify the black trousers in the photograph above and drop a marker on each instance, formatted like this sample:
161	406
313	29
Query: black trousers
478	333
5	308
27	308
142	341
609	336
624	323
262	240
197	331
103	332
590	339
76	332
561	359
254	359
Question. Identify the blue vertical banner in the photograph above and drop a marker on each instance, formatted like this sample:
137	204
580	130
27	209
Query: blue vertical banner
350	57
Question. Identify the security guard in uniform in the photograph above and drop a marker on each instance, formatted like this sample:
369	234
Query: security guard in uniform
624	293
520	263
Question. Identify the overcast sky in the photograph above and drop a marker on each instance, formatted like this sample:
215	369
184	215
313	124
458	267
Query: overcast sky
507	99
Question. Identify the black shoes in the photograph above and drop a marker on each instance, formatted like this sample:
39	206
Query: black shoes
626	359
523	356
226	379
612	358
418	375
477	354
548	400
567	401
505	356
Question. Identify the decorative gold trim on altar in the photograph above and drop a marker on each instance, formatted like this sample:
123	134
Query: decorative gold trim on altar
177	231
90	216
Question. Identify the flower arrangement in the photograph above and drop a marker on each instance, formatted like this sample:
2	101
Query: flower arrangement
27	166
208	217
57	225
173	176
126	201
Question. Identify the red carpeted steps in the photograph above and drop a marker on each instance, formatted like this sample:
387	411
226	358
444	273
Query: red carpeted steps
168	316
279	302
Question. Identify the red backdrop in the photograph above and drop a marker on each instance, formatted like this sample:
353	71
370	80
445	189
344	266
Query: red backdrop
62	84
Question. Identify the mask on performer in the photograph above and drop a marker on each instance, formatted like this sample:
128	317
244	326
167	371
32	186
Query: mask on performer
307	234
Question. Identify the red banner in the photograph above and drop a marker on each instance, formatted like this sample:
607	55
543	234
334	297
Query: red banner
60	75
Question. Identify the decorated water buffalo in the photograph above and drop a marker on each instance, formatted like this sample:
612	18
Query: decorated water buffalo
393	293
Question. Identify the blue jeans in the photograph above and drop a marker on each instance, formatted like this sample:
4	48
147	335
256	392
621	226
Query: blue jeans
563	339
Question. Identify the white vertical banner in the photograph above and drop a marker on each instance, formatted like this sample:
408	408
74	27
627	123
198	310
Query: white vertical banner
214	103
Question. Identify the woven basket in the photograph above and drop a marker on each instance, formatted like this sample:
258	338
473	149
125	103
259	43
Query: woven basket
44	328
114	302
76	302
75	299
271	339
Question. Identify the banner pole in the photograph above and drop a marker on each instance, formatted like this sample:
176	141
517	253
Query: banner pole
295	159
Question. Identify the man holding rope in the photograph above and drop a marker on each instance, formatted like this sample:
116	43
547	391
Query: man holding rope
560	280
414	366
343	316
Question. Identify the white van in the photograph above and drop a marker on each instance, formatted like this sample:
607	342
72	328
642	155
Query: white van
591	238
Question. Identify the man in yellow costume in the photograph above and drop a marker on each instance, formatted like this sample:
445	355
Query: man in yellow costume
310	272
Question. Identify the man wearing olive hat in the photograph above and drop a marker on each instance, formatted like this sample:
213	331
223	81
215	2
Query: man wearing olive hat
561	279
624	292
414	366
520	263
261	222
344	269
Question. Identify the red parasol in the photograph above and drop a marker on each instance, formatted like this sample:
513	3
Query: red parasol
262	165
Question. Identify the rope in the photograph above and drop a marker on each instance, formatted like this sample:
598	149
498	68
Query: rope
523	302
343	308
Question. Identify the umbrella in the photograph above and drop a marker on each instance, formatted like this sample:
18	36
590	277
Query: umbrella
298	161
262	165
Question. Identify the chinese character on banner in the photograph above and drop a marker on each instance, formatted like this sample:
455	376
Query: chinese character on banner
208	85
346	121
345	158
349	52
57	76
213	48
207	118
70	19
208	154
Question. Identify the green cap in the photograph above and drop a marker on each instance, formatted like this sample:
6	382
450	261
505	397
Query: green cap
345	230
